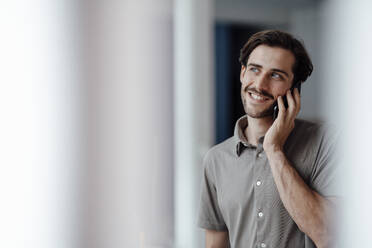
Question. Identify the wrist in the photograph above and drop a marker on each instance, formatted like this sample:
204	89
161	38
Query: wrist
272	148
276	157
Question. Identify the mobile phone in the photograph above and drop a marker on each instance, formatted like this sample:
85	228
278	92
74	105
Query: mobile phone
276	108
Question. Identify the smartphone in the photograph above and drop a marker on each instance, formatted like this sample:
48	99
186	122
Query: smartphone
276	108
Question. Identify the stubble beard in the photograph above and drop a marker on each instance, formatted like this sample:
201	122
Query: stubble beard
262	114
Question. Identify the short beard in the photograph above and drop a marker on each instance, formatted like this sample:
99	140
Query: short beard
265	113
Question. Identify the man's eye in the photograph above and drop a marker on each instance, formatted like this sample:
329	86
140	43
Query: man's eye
254	69
275	75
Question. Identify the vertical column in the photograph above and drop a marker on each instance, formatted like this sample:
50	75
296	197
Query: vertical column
39	130
194	118
347	99
129	172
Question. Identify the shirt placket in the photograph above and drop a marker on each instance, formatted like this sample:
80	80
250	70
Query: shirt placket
261	212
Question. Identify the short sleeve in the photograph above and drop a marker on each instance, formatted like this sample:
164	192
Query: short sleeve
210	216
326	169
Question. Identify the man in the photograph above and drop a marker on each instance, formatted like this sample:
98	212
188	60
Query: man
272	183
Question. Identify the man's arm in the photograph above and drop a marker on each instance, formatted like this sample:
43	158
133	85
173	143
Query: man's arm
216	239
311	211
210	215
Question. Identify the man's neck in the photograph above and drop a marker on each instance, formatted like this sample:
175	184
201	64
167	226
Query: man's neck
257	127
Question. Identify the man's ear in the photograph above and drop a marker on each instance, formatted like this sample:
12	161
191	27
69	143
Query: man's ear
242	71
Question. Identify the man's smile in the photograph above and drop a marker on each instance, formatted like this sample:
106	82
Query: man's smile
257	97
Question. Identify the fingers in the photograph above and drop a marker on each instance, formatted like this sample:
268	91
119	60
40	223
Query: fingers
281	106
294	101
294	105
297	99
291	101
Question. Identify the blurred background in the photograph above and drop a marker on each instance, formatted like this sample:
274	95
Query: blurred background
108	107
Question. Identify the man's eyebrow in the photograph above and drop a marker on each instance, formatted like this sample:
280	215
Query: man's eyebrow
277	70
256	65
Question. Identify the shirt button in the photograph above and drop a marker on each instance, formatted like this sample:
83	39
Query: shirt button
260	214
263	245
258	183
260	155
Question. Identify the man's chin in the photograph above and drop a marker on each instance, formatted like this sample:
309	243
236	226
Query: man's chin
261	114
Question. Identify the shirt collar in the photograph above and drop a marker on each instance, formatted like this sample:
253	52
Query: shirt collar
241	141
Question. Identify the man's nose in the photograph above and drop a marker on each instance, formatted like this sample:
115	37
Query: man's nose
261	82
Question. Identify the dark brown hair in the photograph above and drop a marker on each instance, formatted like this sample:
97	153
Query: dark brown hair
303	66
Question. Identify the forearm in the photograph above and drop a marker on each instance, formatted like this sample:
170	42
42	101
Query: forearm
307	208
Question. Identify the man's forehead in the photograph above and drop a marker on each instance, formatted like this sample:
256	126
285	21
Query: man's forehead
272	58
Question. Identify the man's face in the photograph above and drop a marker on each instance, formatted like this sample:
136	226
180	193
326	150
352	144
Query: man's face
267	75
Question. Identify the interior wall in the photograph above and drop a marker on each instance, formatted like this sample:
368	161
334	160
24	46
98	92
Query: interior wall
305	25
128	170
40	124
347	102
253	14
194	113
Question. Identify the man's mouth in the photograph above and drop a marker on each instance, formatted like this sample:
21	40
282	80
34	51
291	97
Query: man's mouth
258	97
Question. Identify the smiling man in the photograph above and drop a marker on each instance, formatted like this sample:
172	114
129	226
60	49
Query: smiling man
273	183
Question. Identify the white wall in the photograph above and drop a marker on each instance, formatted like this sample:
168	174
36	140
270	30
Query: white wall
347	100
39	106
128	200
194	116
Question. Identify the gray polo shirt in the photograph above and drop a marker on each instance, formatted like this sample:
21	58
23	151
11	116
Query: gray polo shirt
239	195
